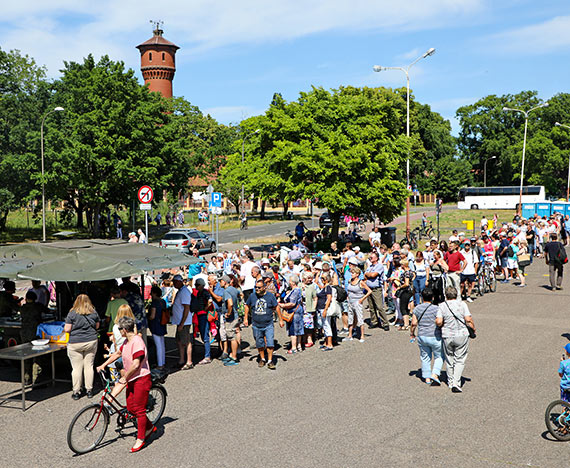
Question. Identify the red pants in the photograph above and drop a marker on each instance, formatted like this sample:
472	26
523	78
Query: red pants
137	398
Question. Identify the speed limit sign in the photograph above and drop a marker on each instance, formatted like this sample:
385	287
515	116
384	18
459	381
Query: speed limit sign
145	194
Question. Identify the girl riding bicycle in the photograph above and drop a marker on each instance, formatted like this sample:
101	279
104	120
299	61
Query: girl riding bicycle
564	373
136	377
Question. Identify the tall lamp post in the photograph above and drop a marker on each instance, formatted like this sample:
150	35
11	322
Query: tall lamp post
485	170
558	124
406	70
242	158
57	109
525	113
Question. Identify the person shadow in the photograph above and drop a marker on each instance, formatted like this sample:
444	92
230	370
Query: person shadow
442	378
566	335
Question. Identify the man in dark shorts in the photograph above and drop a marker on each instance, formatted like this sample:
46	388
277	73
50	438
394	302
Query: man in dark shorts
555	268
262	304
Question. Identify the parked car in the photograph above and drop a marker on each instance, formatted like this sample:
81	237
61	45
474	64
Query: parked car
325	220
182	240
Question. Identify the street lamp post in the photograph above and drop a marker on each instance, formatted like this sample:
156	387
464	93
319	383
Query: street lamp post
485	170
525	113
406	70
57	109
242	159
568	184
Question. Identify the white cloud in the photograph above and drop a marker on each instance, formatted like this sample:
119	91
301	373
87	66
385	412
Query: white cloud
56	30
546	37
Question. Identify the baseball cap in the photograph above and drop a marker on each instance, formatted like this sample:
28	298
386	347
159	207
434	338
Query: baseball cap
318	266
267	274
356	248
225	278
567	348
265	260
200	282
177	278
353	261
246	247
461	234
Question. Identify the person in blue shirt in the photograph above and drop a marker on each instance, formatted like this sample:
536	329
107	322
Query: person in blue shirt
262	304
564	373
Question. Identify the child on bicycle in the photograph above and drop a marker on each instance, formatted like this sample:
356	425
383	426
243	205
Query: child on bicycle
564	373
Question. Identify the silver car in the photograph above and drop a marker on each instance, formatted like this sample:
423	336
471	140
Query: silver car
183	239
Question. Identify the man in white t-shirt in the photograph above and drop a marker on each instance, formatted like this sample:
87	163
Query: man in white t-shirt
246	279
454	237
182	318
468	276
375	236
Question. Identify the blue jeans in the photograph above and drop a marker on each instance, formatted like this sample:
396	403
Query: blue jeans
419	285
204	327
264	336
430	345
531	251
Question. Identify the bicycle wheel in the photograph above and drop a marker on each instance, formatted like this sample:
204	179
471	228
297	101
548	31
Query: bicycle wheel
430	232
417	232
492	281
87	428
557	419
156	403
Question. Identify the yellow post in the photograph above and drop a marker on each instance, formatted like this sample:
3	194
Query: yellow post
468	224
490	223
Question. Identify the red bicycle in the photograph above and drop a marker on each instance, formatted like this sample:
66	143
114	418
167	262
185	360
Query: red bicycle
89	426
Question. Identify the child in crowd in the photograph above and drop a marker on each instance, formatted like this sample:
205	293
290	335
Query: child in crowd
564	373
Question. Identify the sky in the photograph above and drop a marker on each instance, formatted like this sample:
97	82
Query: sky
235	55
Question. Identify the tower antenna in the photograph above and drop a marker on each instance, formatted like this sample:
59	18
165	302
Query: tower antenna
157	27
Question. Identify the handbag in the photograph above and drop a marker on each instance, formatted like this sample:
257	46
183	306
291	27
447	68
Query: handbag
286	315
524	260
334	307
470	330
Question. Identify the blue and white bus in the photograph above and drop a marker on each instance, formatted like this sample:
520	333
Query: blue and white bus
498	198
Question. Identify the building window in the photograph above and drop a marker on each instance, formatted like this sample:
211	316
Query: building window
150	56
163	54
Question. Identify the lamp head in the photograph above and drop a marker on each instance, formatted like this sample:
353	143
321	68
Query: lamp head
558	124
429	52
545	104
377	68
59	109
506	109
257	131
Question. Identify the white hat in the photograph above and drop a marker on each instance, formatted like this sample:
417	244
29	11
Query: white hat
461	234
265	260
246	247
352	261
318	266
356	248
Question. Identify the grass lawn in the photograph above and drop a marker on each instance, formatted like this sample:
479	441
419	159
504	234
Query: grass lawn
22	226
453	219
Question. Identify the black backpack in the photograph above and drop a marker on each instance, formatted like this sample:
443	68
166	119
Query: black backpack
510	251
341	294
561	257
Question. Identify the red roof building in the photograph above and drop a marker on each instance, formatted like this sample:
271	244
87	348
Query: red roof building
158	62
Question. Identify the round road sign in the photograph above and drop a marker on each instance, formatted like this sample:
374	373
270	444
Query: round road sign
145	194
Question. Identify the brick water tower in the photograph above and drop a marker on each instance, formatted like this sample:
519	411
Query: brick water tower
157	62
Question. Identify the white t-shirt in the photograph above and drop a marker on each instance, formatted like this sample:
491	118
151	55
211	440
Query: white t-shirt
183	297
245	272
374	237
453	238
470	260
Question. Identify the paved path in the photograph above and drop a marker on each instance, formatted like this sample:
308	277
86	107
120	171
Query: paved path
361	405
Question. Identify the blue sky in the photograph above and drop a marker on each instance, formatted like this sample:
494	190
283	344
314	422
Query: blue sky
235	55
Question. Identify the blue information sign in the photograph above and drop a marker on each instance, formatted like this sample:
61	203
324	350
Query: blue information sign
216	200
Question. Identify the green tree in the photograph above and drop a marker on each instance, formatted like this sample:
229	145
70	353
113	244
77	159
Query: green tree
24	95
344	148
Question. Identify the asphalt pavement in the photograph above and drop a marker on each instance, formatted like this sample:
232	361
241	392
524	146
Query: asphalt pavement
361	405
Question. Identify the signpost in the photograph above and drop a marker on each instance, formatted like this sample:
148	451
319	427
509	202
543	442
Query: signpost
438	205
215	207
145	196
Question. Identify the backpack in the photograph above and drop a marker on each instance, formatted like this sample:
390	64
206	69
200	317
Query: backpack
561	257
341	294
510	251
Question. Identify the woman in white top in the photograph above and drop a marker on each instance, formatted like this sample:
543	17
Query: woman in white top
454	316
421	268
